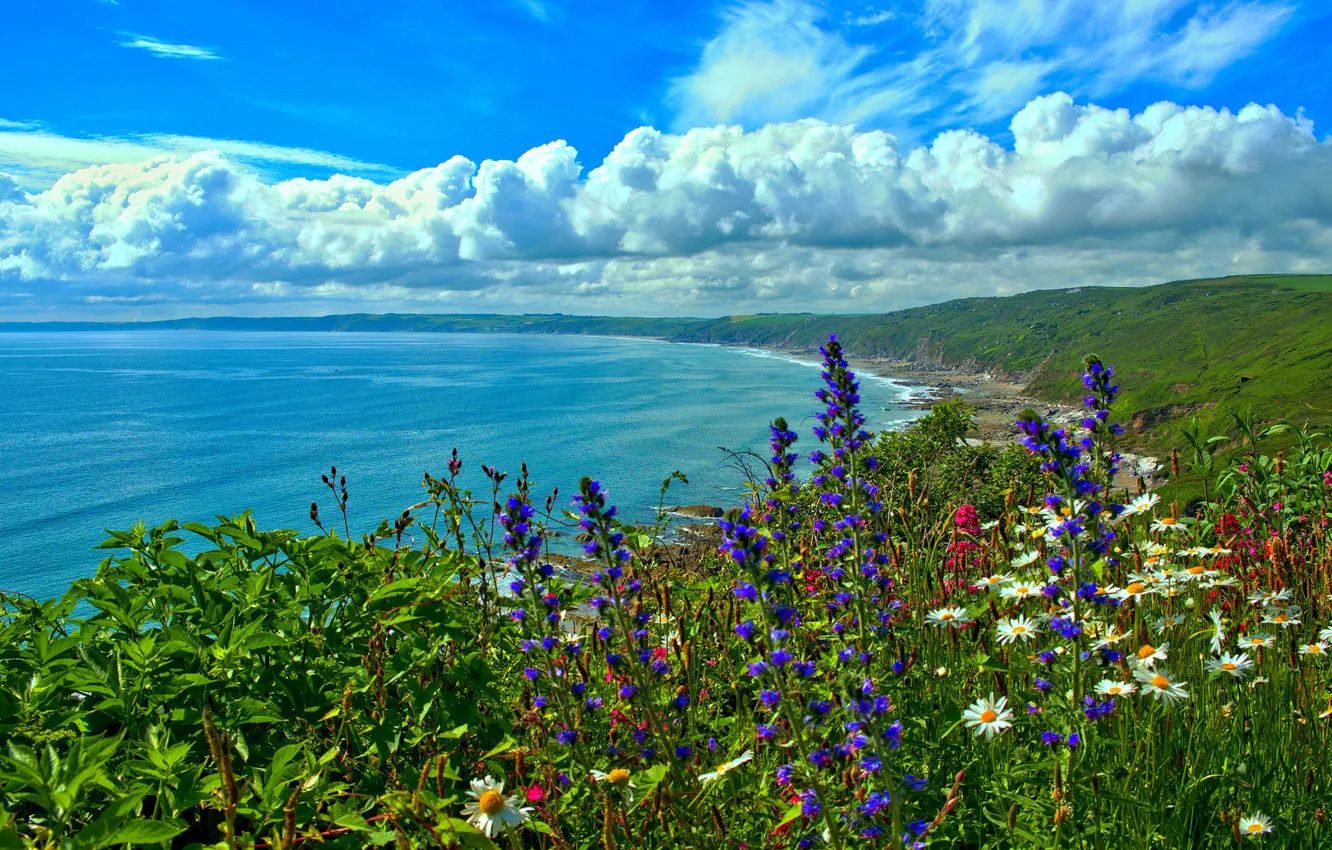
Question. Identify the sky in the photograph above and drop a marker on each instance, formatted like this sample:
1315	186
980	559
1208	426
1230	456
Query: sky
161	159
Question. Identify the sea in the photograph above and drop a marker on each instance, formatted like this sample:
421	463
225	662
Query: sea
99	430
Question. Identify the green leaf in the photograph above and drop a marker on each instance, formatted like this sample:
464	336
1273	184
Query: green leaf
467	835
791	814
647	783
141	831
502	747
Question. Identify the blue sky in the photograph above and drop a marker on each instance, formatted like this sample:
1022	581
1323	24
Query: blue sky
175	130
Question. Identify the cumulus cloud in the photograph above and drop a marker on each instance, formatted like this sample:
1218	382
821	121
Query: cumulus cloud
798	215
964	60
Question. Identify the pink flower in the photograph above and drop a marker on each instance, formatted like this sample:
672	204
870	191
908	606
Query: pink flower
535	794
967	520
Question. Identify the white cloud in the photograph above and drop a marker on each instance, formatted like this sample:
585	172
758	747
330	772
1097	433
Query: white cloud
39	156
956	61
166	50
799	215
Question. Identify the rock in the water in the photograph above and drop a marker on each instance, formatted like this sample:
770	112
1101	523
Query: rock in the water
699	511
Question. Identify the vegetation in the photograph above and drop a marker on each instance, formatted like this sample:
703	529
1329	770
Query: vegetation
900	650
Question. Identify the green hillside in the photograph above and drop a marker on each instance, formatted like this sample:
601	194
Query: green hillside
1198	346
1201	346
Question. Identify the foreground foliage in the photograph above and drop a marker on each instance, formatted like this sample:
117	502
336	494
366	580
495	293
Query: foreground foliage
871	661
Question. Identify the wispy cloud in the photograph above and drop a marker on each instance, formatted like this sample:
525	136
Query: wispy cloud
167	50
956	61
37	156
539	9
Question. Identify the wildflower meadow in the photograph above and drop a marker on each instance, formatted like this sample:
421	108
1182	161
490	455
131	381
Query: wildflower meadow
900	642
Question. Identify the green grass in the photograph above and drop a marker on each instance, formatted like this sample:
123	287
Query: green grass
1200	347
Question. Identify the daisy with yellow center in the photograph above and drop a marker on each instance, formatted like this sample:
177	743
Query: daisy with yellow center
1282	617
1021	589
490	811
988	716
1160	685
724	769
1167	621
1111	688
1135	590
1236	664
1026	559
1147	655
1326	634
1166	523
1139	505
995	580
620	780
1016	628
1255	825
1316	650
1258	641
1267	598
956	618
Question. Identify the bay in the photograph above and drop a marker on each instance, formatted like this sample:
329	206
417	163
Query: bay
101	429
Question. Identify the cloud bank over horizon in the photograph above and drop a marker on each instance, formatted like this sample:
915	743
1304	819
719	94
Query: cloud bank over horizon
791	215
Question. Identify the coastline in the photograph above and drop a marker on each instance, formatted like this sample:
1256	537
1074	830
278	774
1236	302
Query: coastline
995	401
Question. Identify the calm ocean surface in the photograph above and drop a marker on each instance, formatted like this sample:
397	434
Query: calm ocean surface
99	430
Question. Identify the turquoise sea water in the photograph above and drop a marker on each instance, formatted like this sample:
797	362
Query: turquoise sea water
99	430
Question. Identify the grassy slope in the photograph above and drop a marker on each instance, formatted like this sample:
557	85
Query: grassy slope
1181	347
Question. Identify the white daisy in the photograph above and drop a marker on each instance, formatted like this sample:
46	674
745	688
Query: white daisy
1198	572
1026	559
1255	825
1266	598
995	580
1134	590
1167	621
1107	637
949	617
1317	649
1283	617
1159	685
724	769
1236	664
1112	688
1147	655
1139	505
1021	589
1326	634
1258	641
1194	552
988	716
1016	628
492	812
1166	523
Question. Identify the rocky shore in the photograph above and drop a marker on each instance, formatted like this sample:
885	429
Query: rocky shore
996	402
